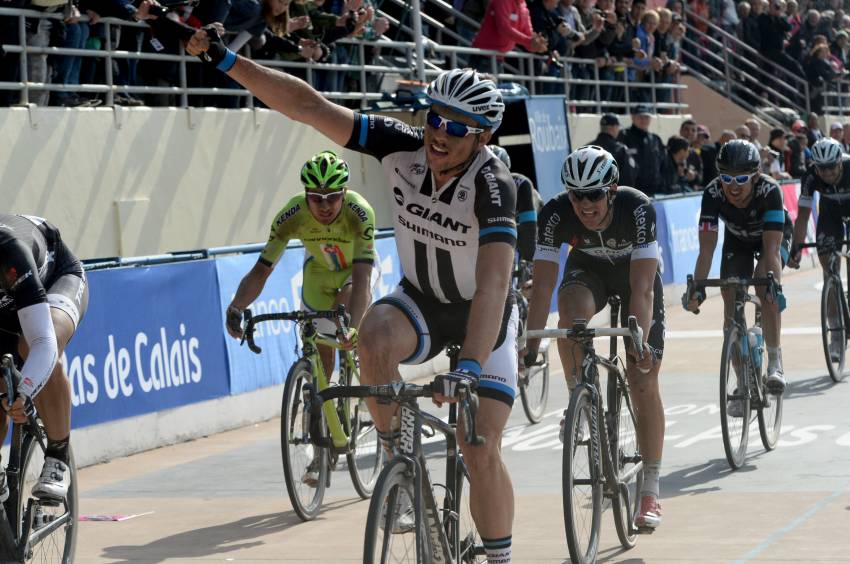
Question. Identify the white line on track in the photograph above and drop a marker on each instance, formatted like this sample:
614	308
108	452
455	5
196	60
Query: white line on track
702	334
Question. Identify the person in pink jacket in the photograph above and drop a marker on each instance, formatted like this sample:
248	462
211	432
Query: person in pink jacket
506	24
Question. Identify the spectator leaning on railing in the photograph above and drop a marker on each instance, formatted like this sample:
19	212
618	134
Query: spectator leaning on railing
601	28
506	25
549	25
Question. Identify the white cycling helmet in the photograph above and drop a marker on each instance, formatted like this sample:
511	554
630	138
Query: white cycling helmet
589	168
464	91
826	151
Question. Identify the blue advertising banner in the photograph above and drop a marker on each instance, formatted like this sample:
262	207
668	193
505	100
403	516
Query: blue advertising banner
681	220
249	371
151	340
550	141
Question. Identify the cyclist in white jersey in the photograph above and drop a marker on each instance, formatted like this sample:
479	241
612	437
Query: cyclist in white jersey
454	205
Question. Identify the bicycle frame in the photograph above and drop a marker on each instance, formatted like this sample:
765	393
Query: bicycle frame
340	439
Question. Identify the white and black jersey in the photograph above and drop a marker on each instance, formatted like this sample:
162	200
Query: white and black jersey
439	229
629	236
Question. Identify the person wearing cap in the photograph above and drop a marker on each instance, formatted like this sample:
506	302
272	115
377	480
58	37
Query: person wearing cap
836	131
646	149
798	146
609	130
774	154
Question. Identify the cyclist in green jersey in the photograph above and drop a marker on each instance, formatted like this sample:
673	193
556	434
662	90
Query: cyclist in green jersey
337	228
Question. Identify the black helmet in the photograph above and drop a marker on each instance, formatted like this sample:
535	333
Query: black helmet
738	156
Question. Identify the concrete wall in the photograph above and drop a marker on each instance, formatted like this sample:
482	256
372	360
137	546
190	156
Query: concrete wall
129	182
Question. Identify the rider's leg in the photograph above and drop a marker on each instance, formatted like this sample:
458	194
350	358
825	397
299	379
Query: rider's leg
491	497
645	392
387	338
574	302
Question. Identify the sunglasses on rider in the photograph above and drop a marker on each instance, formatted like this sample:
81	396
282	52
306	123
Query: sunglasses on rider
589	195
739	178
453	128
331	197
826	168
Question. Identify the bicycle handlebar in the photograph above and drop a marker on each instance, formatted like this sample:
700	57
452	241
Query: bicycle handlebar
580	332
337	315
774	288
399	392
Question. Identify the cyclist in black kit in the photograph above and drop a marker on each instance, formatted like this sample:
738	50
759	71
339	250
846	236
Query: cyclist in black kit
43	297
757	228
829	174
528	206
611	230
453	207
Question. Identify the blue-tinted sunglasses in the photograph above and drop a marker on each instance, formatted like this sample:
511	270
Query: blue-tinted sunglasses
739	179
453	128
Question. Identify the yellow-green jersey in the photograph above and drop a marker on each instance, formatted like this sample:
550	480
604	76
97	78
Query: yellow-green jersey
348	240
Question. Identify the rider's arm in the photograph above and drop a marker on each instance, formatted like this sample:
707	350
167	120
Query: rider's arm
21	281
495	203
526	218
709	223
774	217
364	257
770	260
546	262
361	293
804	208
641	280
252	285
295	99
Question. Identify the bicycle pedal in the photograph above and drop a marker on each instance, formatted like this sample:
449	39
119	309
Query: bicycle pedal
644	530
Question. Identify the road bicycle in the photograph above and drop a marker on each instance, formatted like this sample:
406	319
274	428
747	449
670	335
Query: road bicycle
405	522
834	313
743	370
601	456
346	427
31	529
533	381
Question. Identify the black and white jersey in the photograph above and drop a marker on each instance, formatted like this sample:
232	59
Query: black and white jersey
629	236
764	212
27	248
439	229
811	182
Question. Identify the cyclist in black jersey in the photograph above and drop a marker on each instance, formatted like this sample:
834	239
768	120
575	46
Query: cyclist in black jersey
453	210
43	297
757	228
528	206
611	232
828	174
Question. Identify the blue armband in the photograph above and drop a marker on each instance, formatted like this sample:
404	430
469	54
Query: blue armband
470	365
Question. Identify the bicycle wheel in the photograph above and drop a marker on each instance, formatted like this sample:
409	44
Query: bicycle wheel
387	540
734	386
581	480
832	327
469	547
626	460
59	544
297	451
769	414
534	389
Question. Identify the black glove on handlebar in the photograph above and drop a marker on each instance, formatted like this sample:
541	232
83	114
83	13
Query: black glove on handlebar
217	54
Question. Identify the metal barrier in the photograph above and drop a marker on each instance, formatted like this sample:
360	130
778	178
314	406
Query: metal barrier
399	58
836	97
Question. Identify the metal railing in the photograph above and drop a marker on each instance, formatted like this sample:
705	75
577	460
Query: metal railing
396	58
836	97
728	65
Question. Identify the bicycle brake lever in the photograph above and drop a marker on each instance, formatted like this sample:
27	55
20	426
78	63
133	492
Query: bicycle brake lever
248	332
468	409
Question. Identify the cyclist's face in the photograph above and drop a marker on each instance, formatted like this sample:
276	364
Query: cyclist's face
830	175
325	210
738	194
445	152
592	214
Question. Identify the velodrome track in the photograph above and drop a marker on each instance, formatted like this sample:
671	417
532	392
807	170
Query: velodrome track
222	498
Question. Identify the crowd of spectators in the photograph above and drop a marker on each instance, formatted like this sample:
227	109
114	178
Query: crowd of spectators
286	30
623	38
686	162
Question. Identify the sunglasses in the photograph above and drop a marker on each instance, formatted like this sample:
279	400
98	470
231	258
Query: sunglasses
589	195
453	128
826	168
330	197
739	179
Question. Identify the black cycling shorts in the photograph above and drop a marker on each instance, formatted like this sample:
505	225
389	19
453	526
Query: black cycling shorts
605	280
738	257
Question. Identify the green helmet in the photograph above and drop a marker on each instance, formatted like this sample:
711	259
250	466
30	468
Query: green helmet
325	171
